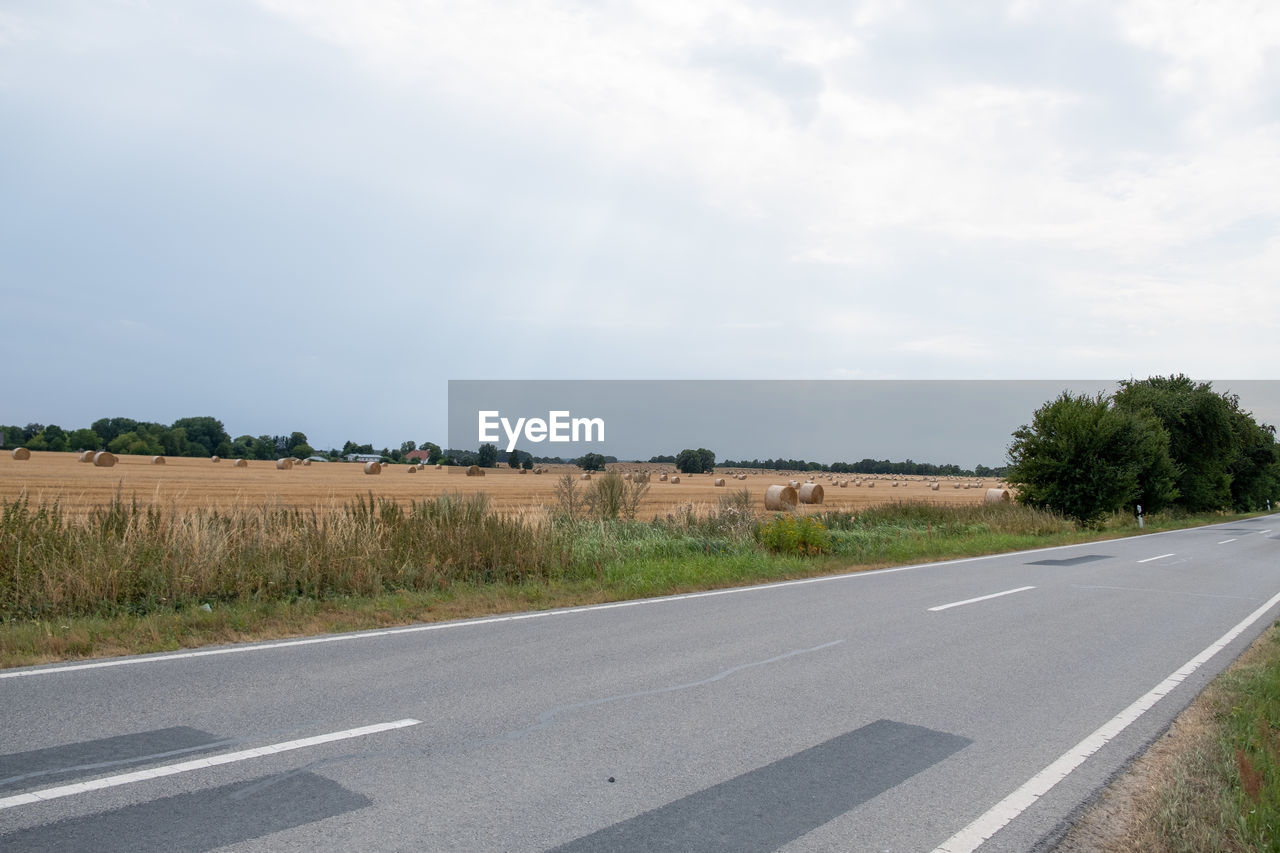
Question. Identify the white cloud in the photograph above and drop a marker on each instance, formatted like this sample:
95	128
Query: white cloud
902	187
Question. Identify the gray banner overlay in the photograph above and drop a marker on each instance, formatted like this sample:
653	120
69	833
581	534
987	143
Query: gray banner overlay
966	423
769	807
201	820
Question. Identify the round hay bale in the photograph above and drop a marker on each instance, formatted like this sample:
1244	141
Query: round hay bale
780	498
933	486
306	463
719	481
240	463
844	484
86	455
871	484
627	476
103	459
662	478
524	470
373	467
537	470
21	453
214	459
997	496
586	475
811	493
674	479
795	484
475	471
413	469
284	464
438	466
157	460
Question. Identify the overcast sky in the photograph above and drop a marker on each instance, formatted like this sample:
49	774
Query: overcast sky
310	214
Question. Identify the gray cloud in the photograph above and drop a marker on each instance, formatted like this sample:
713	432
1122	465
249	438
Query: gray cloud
258	215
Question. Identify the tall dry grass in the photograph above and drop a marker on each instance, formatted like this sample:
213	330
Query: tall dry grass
127	558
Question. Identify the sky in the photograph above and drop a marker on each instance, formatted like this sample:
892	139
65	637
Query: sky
312	214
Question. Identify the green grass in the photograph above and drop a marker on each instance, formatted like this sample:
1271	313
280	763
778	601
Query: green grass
1225	792
1215	783
1250	732
136	578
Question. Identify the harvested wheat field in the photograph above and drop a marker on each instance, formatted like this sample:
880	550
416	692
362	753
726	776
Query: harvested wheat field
199	483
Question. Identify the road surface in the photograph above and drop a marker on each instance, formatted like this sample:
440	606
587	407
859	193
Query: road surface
972	704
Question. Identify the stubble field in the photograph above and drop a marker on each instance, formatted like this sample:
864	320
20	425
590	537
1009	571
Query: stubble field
186	483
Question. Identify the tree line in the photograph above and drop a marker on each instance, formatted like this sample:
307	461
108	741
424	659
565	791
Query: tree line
906	468
198	436
1160	442
206	436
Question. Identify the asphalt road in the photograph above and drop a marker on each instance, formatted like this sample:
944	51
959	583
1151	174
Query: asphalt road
907	709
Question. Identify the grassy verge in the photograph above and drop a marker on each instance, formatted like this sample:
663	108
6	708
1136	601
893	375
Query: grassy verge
137	578
1225	793
1213	783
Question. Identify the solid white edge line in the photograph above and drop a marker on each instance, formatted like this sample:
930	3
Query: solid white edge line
196	764
441	626
979	598
1225	541
1158	557
999	815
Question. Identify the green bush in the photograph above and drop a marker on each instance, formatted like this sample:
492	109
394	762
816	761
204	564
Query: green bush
786	534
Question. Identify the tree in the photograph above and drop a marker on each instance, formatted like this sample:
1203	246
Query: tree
298	446
242	448
1201	440
109	428
84	439
206	436
134	443
1085	458
487	457
1255	465
55	438
592	462
700	461
433	452
174	441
